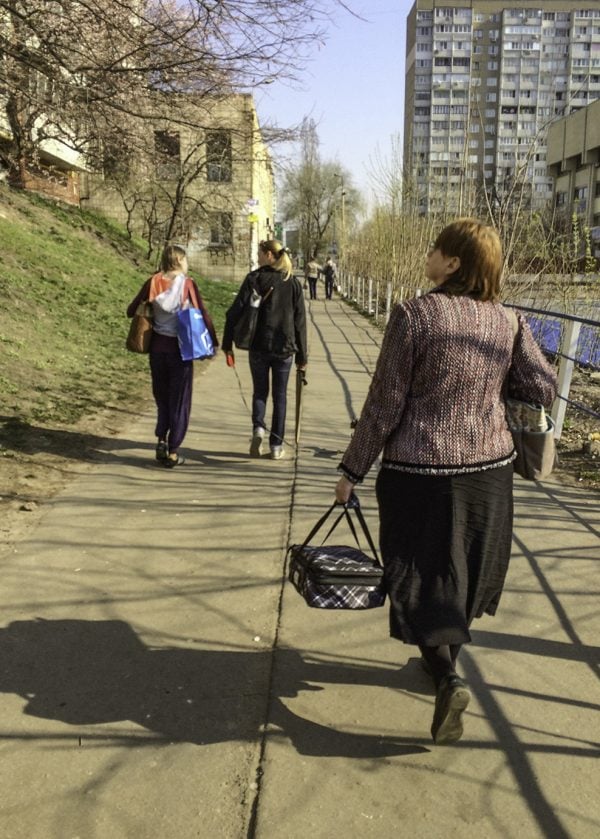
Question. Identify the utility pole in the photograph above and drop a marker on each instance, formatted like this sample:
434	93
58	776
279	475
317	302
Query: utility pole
343	236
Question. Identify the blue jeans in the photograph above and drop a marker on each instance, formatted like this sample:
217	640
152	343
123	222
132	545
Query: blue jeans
261	363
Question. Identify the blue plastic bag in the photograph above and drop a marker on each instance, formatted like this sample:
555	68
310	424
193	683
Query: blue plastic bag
193	336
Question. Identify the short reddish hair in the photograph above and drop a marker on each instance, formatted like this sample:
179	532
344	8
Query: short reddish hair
479	249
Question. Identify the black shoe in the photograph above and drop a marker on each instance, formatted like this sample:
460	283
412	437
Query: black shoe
161	450
452	698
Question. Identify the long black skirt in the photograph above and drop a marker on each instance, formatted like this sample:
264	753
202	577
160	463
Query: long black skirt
445	543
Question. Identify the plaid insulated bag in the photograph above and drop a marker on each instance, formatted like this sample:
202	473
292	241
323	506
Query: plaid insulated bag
336	576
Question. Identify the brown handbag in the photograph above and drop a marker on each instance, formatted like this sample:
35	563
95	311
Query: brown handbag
140	329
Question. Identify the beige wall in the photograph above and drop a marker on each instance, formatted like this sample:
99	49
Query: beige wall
247	197
573	161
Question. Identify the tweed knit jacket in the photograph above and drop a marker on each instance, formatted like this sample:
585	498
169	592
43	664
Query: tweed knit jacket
436	401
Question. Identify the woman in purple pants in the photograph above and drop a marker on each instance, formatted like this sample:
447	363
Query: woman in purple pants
170	290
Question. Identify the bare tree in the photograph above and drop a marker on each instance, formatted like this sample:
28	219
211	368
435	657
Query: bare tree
77	73
315	193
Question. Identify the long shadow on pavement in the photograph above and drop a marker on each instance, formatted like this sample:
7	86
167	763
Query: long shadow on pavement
93	672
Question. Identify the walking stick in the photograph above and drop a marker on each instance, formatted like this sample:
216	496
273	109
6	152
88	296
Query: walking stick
300	382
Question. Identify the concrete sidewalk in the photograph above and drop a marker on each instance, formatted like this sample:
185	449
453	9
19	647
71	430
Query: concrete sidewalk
160	678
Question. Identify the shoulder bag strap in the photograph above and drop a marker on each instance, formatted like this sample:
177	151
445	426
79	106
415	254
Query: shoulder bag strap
189	287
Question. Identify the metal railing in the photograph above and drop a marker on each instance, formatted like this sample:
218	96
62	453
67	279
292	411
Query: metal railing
571	340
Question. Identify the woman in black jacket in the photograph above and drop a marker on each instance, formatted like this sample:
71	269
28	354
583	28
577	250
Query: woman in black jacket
280	336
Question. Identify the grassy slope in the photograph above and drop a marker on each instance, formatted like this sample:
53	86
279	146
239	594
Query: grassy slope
66	278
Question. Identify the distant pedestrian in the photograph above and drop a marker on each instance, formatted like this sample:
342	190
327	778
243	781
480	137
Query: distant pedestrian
436	406
329	274
169	291
313	271
279	339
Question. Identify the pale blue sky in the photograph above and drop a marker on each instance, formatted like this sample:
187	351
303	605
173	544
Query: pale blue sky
354	87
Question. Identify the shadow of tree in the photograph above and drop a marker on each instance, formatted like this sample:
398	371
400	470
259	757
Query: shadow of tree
20	436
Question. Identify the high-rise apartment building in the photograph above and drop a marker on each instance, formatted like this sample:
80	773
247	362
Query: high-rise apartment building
483	81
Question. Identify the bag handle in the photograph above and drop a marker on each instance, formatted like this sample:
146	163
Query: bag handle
191	292
352	504
254	288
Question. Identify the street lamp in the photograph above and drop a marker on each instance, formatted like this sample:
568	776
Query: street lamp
343	236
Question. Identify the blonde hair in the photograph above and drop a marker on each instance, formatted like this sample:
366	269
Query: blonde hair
171	258
282	261
479	249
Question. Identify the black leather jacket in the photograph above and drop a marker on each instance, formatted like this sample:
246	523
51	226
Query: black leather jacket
281	328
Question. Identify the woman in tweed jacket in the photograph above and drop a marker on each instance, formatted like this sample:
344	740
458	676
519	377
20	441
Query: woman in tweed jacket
436	408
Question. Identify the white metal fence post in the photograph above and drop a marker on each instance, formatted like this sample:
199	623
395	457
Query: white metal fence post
388	302
568	348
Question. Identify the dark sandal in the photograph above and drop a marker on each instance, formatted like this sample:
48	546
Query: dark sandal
172	462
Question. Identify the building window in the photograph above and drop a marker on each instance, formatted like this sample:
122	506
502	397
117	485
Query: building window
221	230
168	155
218	156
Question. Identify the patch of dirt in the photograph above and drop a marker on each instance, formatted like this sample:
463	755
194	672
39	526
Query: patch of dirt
579	445
36	462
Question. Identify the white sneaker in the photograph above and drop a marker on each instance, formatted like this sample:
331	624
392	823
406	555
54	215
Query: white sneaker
257	441
276	452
